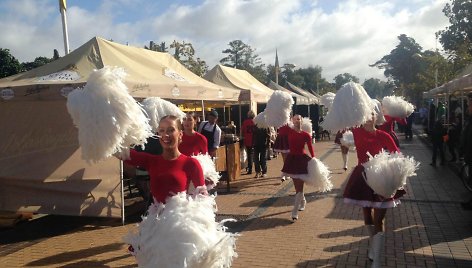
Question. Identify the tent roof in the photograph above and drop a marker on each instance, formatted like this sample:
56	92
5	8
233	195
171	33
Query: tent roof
149	73
299	99
239	79
312	98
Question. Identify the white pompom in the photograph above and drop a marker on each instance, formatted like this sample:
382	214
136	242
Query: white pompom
348	139
386	173
307	126
208	167
379	117
327	100
156	108
319	176
108	118
278	109
260	120
351	107
183	233
396	106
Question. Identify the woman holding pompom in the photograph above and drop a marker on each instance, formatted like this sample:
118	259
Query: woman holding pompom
368	139
296	162
159	243
389	127
344	149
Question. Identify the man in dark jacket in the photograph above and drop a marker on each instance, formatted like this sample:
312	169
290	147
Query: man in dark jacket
261	141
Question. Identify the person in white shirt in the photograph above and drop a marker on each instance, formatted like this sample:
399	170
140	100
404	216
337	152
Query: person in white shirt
212	132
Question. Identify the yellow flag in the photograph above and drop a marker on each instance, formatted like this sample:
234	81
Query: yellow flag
62	5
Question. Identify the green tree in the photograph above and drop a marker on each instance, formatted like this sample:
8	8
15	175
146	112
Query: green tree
342	79
185	54
311	77
157	47
243	57
377	89
39	61
9	65
401	65
456	39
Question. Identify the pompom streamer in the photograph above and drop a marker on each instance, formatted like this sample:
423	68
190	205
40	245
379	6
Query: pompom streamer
386	173
260	120
379	117
396	106
209	169
108	118
183	233
156	108
348	139
278	109
307	126
351	107
319	176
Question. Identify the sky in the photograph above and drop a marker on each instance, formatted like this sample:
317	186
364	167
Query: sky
340	36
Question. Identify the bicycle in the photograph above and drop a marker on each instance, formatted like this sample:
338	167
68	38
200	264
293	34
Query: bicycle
466	176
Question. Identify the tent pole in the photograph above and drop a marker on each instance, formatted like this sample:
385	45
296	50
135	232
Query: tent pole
462	107
203	111
122	194
240	118
224	115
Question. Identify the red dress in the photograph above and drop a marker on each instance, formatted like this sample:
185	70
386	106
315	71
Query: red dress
357	191
281	141
193	144
389	127
297	160
168	177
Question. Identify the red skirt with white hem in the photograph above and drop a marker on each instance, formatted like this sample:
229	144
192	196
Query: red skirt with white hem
357	192
281	144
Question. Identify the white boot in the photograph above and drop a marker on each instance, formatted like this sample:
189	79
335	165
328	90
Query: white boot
296	205
378	245
370	231
345	161
302	202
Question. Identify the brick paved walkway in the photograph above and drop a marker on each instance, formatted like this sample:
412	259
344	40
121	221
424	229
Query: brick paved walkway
428	229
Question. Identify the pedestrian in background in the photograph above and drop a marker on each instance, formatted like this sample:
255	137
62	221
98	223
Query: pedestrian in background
247	132
261	140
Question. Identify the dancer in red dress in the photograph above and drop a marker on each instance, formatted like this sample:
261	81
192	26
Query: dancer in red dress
296	163
281	143
344	149
171	172
389	127
368	139
193	143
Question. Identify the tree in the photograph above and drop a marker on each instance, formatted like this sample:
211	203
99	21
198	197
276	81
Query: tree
39	61
311	77
9	65
377	89
235	53
243	57
157	47
342	79
456	39
185	54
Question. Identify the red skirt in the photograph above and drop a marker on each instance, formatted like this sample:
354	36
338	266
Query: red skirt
296	164
357	192
281	144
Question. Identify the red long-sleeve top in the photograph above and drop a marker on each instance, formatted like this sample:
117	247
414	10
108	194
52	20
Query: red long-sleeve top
247	131
283	130
193	144
388	125
372	142
297	141
168	177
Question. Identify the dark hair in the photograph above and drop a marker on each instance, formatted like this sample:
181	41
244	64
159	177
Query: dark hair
192	114
173	118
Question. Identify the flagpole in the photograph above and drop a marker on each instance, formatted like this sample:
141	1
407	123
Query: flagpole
62	7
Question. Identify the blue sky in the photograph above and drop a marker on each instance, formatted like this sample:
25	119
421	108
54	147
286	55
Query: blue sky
340	36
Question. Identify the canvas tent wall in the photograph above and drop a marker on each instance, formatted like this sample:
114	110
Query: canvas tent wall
299	99
311	98
251	88
41	167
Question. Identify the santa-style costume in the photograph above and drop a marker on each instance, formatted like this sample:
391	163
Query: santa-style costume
344	149
193	144
281	141
389	127
357	191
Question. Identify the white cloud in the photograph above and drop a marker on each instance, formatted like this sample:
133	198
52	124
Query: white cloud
342	38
